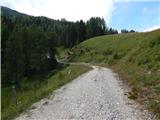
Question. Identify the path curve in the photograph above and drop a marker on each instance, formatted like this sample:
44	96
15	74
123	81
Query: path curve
95	95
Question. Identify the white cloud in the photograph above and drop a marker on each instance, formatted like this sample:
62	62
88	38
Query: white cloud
154	27
72	10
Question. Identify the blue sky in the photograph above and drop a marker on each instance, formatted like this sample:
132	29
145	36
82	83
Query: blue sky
140	15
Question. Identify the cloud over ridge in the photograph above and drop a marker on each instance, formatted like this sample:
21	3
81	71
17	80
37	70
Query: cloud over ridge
72	10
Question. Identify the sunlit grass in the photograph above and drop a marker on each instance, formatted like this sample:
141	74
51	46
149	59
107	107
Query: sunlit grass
135	56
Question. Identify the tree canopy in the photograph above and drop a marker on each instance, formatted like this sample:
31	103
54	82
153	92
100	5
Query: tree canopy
28	43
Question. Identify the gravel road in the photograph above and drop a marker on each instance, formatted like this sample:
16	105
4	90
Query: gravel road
95	95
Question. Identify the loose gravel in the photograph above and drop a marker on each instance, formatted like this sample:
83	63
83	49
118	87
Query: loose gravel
95	95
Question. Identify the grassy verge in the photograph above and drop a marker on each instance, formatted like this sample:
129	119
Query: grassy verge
36	90
135	56
61	52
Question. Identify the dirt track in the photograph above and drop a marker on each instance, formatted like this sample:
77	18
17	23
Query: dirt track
95	95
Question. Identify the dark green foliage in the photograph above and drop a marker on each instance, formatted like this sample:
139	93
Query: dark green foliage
82	33
132	31
124	31
28	51
67	33
95	26
8	12
28	43
127	31
111	31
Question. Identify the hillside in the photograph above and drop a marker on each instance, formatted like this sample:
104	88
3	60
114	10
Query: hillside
34	39
9	12
28	56
135	56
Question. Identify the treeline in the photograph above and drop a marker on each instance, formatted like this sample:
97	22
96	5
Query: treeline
67	33
127	31
26	51
28	43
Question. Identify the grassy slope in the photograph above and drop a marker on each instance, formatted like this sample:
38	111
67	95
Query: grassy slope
135	56
61	52
34	91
